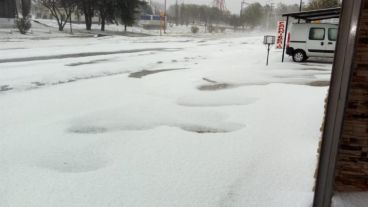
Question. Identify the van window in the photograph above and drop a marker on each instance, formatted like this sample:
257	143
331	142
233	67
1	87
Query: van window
332	34
317	34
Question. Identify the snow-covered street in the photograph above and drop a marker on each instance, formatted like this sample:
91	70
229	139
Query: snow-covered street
173	121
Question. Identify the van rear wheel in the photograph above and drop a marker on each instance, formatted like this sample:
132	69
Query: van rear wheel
299	56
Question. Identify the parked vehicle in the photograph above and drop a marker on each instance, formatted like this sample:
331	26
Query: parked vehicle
311	40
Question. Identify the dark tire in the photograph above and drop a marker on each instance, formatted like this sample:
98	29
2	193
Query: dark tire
299	56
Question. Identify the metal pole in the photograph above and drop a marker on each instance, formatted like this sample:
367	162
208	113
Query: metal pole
268	18
241	8
285	38
165	17
176	13
268	54
300	8
161	23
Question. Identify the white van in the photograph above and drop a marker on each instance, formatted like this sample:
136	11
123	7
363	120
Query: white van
311	40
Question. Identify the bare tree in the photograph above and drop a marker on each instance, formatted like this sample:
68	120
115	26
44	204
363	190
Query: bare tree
87	7
323	4
106	10
23	22
60	9
128	11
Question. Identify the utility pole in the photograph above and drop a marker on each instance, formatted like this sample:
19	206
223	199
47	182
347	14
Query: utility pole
241	12
242	7
269	11
176	13
165	17
300	8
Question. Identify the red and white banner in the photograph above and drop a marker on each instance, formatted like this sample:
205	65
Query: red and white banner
280	34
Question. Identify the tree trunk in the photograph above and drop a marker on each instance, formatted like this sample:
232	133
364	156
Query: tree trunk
125	28
103	21
88	23
61	28
70	24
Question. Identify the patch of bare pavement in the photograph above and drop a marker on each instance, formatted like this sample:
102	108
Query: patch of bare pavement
14	48
143	73
87	62
319	83
317	69
87	54
215	86
5	88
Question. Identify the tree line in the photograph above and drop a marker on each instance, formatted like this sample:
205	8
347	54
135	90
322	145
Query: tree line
185	14
257	15
252	16
322	4
109	11
126	12
266	16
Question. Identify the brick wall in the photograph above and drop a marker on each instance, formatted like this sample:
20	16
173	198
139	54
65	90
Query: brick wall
352	164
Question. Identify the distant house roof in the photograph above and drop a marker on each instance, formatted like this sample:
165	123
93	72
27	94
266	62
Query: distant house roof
316	14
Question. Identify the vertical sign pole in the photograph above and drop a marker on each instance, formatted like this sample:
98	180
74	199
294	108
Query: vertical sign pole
160	25
268	41
268	53
285	38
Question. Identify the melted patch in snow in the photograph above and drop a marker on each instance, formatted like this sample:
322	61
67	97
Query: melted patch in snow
201	129
5	88
88	130
319	83
143	73
214	85
87	62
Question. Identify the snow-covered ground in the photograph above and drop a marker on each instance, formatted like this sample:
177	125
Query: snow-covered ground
357	199
157	121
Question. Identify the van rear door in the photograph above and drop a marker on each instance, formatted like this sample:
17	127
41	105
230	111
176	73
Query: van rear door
316	45
331	41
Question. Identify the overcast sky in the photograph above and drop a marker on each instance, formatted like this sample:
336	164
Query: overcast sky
232	5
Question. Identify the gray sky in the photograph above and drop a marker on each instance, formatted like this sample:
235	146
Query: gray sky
232	5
